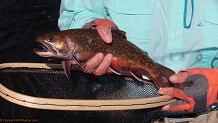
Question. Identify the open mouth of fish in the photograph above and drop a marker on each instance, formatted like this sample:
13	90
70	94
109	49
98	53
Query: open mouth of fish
46	50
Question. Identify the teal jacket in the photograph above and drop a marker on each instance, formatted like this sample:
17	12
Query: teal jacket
179	34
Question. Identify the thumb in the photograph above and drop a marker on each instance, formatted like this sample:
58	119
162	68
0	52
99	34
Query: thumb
179	77
105	32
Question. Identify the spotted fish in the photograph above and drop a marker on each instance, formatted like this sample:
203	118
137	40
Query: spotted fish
82	44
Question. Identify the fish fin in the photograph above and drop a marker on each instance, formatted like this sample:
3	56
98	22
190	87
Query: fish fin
120	33
79	63
67	67
118	73
146	53
115	67
137	73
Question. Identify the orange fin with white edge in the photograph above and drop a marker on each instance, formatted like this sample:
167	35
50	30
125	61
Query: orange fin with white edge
137	73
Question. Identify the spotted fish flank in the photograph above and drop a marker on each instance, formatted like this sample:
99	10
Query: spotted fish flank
82	44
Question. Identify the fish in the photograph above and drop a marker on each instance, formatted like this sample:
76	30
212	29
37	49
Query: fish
80	45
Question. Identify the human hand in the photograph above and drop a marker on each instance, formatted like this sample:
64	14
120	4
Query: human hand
195	89
99	64
103	26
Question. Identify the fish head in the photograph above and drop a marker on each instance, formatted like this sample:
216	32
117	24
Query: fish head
55	45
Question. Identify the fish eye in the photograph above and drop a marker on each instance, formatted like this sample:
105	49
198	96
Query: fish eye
50	39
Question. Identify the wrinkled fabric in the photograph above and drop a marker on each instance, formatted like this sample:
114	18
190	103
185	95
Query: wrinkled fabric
156	26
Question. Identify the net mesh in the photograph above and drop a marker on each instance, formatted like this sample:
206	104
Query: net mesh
48	83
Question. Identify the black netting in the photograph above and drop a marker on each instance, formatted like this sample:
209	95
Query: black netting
54	84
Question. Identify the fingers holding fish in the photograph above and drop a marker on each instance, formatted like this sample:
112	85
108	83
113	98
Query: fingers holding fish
93	62
104	65
105	32
166	91
103	26
98	64
179	77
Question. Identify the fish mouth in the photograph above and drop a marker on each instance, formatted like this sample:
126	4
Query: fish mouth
46	50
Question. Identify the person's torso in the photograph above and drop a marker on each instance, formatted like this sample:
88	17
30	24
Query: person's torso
157	27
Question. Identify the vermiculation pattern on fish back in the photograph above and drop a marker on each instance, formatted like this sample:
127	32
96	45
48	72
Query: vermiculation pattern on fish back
90	41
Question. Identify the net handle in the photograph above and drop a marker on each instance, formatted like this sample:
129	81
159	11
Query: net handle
75	104
82	105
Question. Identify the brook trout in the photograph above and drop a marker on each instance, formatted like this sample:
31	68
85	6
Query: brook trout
82	44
